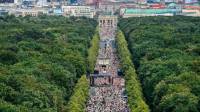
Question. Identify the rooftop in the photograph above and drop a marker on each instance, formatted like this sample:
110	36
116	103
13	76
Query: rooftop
151	11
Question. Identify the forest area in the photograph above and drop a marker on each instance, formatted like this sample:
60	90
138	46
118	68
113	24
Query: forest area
166	55
41	60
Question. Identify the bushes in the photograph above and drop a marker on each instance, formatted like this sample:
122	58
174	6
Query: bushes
78	100
93	52
133	87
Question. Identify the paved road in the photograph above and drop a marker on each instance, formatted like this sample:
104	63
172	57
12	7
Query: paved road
107	92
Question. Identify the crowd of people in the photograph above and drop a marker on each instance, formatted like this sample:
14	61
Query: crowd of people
102	81
107	99
107	32
118	81
105	52
107	95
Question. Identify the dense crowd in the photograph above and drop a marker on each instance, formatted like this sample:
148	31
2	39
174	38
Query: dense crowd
107	32
107	99
101	81
118	81
107	95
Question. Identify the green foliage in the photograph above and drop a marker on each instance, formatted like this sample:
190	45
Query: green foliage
8	57
93	52
133	87
77	102
6	107
165	52
41	59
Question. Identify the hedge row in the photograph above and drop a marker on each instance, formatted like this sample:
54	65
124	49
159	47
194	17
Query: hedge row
93	52
78	100
135	97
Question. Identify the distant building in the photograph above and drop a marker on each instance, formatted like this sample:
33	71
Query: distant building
157	6
78	11
73	1
42	3
89	2
153	1
11	2
57	11
111	7
125	13
7	1
107	7
169	1
77	2
191	12
191	1
3	12
28	12
81	2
